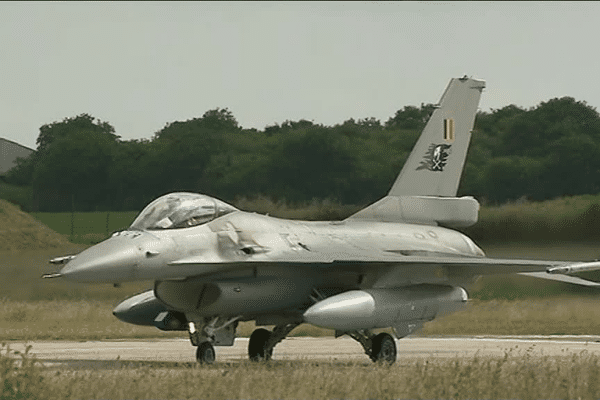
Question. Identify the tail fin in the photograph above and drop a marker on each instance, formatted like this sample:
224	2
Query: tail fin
435	165
425	189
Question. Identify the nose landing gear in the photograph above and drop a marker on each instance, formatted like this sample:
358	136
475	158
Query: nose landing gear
218	331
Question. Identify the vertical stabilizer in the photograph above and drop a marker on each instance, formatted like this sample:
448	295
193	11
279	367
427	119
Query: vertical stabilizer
435	165
425	190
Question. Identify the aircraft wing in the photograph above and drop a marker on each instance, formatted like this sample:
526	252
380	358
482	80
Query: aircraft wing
392	265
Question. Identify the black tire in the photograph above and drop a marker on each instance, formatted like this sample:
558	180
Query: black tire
384	349
256	346
205	353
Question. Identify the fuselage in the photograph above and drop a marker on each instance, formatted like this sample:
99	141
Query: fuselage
256	240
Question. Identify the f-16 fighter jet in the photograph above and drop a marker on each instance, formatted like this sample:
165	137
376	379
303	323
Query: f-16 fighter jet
396	264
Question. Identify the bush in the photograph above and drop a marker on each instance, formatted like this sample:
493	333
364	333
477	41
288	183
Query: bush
20	374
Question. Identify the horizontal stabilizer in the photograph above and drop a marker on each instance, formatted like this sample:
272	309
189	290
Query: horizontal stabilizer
451	212
561	278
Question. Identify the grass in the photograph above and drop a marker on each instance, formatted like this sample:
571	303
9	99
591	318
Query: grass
517	374
89	320
15	194
20	231
93	320
550	316
566	219
21	377
88	227
569	218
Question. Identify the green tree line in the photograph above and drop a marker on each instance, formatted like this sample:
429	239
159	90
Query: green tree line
544	152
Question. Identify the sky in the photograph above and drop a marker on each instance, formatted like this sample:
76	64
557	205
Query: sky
139	66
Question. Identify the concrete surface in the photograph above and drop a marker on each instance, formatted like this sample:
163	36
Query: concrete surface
104	354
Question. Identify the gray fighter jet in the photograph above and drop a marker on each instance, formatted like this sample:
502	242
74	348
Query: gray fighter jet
395	264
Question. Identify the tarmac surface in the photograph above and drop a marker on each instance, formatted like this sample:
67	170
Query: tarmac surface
113	353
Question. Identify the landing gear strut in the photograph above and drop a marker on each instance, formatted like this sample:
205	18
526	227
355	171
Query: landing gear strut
262	341
380	348
218	331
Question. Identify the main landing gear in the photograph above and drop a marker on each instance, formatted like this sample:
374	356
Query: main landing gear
221	332
262	341
205	353
380	348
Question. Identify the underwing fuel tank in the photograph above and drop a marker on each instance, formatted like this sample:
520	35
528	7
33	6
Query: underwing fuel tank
146	309
383	308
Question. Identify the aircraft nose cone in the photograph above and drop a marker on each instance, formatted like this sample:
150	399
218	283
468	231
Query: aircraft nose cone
112	261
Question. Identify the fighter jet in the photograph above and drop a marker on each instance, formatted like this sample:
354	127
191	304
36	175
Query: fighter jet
396	264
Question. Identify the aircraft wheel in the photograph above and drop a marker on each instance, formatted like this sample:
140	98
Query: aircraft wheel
384	349
256	346
205	353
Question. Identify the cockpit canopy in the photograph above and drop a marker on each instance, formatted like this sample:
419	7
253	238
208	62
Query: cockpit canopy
180	210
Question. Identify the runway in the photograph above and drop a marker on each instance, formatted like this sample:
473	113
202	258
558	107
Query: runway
104	354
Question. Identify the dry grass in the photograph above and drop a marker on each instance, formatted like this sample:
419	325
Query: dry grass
93	320
551	316
515	375
569	218
61	319
89	320
20	231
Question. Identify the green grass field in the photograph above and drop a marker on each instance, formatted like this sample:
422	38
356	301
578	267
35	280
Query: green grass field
20	195
89	227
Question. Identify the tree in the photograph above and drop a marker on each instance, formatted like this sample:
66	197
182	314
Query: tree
510	178
83	122
22	173
531	133
572	166
312	163
74	168
221	120
410	117
132	175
